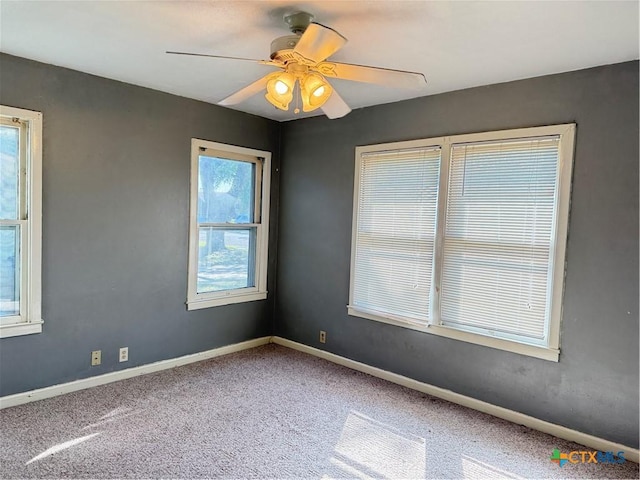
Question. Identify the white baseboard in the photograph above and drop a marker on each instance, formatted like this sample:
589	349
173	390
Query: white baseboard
55	390
500	412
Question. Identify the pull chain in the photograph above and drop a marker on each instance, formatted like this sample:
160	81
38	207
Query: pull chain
296	92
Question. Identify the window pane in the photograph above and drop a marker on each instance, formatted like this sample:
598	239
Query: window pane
225	259
397	205
9	172
225	190
498	240
9	270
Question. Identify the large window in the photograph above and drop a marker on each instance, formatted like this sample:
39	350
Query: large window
465	236
228	225
20	221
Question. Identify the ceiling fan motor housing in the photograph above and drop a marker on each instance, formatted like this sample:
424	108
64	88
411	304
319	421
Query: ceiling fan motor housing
282	47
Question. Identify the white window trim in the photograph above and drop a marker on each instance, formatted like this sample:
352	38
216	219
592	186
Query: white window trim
549	352
197	300
31	280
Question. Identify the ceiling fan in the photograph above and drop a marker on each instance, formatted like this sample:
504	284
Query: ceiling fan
304	69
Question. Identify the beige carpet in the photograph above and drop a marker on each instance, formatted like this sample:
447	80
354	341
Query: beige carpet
271	412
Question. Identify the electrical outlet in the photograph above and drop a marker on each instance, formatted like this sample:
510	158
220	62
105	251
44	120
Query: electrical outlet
323	336
124	354
96	357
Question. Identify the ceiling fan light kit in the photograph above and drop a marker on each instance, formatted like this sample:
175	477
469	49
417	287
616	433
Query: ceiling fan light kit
301	60
314	88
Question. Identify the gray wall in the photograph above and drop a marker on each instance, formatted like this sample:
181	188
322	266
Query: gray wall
594	387
115	225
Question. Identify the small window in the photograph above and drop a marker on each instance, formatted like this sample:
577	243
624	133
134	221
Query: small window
20	221
228	224
465	236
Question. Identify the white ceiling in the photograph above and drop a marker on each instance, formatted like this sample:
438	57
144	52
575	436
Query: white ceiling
456	44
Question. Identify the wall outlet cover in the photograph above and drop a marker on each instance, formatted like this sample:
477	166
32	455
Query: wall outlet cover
96	357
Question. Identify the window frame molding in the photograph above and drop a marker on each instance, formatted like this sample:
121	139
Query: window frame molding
566	148
195	300
31	235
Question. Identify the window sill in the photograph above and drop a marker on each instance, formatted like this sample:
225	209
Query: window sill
198	303
391	320
544	353
18	329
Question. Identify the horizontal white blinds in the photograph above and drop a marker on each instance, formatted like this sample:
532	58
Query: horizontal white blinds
394	244
497	250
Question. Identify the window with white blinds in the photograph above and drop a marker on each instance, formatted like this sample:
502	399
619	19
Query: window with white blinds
465	236
498	237
395	235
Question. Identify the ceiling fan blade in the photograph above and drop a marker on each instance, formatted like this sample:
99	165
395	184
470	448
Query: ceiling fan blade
318	43
377	75
267	62
246	92
335	106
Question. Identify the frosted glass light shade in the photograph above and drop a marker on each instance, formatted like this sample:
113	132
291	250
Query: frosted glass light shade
280	89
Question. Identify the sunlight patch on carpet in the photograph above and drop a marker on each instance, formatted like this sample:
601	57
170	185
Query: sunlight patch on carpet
62	446
368	448
117	414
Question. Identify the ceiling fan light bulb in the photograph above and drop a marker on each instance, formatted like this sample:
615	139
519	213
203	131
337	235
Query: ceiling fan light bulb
281	87
318	91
